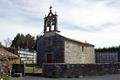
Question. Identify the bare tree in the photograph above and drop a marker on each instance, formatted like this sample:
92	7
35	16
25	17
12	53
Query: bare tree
8	42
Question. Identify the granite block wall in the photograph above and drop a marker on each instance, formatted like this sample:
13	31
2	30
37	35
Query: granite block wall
76	53
77	70
50	44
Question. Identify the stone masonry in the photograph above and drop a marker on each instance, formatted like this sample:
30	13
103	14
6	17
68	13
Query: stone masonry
78	70
78	53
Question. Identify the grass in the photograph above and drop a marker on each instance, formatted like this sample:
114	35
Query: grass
5	77
32	69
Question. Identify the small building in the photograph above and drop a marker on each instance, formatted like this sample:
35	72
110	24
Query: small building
52	47
27	57
7	59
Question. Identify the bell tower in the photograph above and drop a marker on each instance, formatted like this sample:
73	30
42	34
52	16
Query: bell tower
50	22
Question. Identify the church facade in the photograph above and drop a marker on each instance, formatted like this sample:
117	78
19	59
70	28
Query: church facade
53	47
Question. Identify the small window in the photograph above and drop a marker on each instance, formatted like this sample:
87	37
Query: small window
82	48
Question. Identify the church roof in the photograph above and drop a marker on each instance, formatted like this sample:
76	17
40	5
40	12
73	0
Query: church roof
75	40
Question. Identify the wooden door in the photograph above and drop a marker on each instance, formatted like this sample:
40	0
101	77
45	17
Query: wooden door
49	58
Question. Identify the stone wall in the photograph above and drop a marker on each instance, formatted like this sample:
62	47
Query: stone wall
77	70
50	44
78	53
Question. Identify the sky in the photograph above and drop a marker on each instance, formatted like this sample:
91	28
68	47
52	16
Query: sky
93	21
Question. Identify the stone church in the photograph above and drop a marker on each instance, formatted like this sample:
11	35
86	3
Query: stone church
55	48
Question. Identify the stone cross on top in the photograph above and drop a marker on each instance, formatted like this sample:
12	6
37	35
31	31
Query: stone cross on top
50	22
50	8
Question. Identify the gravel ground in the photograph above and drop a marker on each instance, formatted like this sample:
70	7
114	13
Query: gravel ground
106	77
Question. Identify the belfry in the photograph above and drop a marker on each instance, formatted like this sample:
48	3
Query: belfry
50	22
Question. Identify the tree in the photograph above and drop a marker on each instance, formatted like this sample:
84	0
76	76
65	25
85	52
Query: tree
7	42
30	42
16	42
110	49
24	42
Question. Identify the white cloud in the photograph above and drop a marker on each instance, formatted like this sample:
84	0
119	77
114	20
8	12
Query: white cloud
96	21
10	30
94	15
104	38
